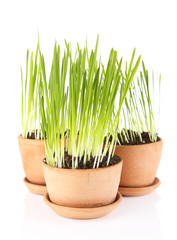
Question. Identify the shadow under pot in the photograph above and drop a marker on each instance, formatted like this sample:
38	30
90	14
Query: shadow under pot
140	166
32	153
82	193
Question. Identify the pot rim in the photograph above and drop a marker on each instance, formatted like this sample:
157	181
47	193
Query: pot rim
141	145
28	140
82	170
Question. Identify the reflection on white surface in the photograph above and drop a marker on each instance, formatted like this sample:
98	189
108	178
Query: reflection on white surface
136	218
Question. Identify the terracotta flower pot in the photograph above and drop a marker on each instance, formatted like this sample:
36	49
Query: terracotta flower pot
32	153
82	188
140	163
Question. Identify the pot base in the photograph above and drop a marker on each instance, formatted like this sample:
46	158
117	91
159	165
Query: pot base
83	213
139	191
35	188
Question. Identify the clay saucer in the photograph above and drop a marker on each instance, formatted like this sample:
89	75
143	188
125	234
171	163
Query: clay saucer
35	188
83	213
139	191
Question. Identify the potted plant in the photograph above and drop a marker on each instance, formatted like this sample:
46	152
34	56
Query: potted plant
138	142
82	179
31	141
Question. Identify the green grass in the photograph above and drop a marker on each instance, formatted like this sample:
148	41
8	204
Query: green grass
30	113
83	101
86	106
140	107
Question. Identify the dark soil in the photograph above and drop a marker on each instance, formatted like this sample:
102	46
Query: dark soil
89	165
136	140
32	136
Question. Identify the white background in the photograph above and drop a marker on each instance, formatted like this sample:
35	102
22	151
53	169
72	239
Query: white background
151	27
